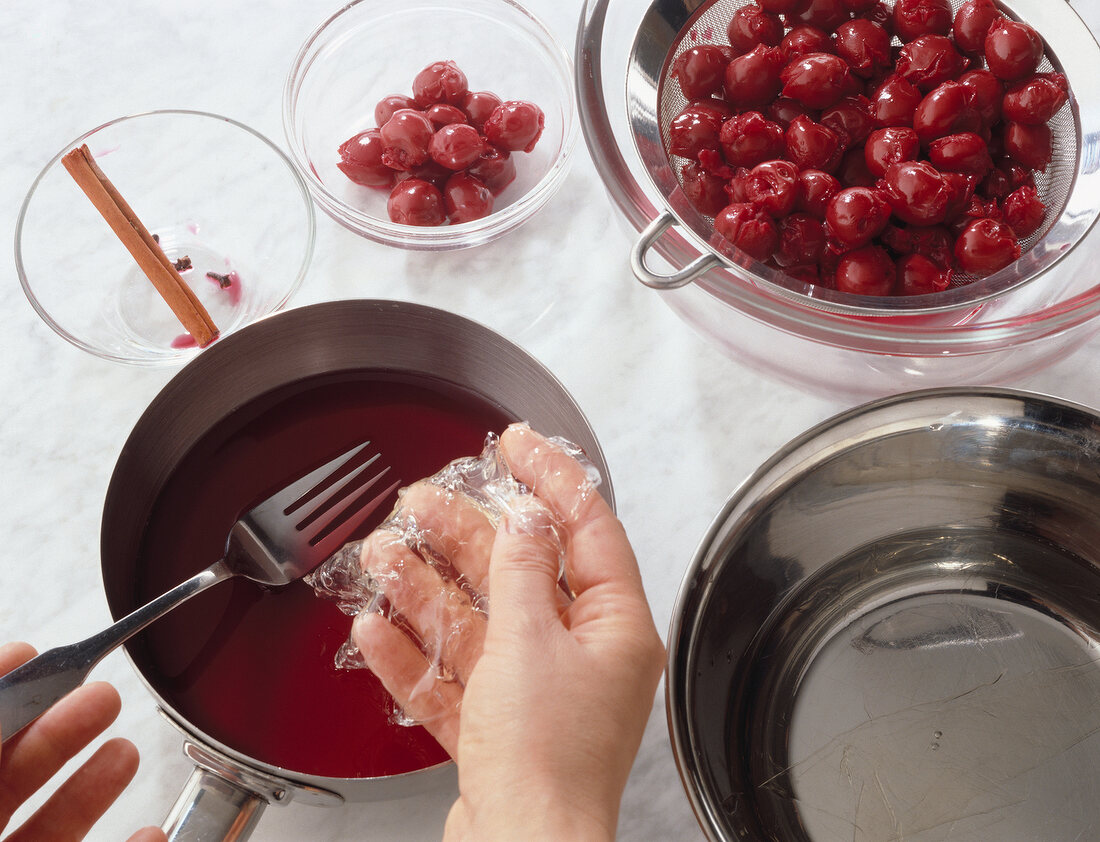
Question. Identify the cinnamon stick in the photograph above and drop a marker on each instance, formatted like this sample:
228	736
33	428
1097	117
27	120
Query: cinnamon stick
140	243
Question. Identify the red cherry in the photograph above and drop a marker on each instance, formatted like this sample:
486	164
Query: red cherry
751	25
1035	101
515	126
934	242
706	192
929	61
805	273
859	6
818	80
1013	50
866	271
466	199
914	18
803	40
824	14
853	170
388	105
783	110
361	160
917	192
984	93
810	145
895	102
700	70
1024	211
697	127
985	247
1031	146
850	119
442	115
864	45
416	202
429	171
815	190
888	146
495	169
440	81
961	153
747	228
801	240
962	188
479	106
972	23
405	139
712	161
945	111
784	7
876	12
456	146
752	80
977	209
1005	177
917	275
857	215
773	187
748	139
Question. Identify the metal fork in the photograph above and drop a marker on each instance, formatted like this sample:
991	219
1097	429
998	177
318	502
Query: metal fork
274	544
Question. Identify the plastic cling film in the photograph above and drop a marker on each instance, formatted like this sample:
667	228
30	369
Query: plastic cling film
425	569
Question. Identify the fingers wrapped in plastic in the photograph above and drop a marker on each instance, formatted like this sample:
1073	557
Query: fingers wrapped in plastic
426	570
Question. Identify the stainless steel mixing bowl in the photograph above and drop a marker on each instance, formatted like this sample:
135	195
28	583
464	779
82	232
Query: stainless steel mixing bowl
892	630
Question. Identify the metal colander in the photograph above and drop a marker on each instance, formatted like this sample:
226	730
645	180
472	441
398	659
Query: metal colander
654	100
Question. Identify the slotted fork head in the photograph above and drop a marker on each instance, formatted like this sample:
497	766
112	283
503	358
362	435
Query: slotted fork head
288	534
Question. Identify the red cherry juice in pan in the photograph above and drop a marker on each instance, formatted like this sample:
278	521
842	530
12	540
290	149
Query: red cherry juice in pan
251	668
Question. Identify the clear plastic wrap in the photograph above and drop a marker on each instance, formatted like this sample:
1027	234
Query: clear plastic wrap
426	567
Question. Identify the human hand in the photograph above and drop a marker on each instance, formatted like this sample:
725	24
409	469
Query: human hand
34	755
551	697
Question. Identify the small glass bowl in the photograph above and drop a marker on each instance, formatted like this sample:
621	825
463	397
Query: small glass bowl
369	50
210	189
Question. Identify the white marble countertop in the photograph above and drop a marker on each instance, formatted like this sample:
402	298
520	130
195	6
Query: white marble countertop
681	425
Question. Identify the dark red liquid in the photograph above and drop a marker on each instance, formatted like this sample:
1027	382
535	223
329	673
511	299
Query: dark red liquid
254	669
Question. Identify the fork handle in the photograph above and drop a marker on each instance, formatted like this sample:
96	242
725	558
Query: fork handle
33	688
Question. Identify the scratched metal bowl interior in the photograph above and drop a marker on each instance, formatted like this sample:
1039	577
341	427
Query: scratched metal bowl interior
891	631
654	99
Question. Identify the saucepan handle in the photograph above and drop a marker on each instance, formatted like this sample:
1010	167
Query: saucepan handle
224	799
212	808
683	277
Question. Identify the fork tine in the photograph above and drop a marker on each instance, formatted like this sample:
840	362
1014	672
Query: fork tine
301	490
327	544
351	484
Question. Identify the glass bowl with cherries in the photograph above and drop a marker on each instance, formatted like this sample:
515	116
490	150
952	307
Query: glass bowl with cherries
901	191
433	124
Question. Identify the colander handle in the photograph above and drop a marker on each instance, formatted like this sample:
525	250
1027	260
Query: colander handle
685	276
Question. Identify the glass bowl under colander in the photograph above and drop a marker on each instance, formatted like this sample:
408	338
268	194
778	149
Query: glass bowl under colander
752	317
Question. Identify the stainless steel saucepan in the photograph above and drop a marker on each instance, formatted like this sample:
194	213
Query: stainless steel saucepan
229	790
